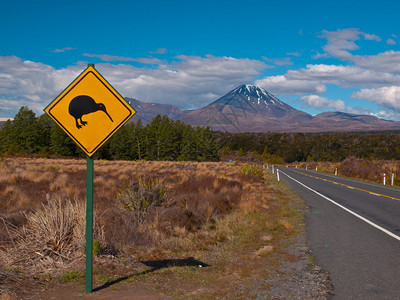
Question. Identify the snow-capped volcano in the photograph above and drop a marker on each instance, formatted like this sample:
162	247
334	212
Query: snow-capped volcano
255	95
255	99
246	108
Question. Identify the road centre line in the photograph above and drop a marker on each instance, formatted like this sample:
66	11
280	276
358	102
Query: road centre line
346	209
375	194
348	186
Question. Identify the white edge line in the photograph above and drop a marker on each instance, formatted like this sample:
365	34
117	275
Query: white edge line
348	210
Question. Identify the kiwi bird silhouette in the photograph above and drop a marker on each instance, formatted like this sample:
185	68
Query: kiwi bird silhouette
83	105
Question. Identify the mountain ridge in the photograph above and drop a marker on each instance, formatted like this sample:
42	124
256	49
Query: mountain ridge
249	108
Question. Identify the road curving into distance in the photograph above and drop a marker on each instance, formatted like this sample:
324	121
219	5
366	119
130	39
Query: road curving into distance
353	230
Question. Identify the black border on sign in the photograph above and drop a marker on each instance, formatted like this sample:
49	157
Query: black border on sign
111	133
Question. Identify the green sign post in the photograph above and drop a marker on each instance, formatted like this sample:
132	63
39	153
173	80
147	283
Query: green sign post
89	225
105	111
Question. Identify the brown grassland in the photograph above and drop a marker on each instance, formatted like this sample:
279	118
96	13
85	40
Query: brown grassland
167	229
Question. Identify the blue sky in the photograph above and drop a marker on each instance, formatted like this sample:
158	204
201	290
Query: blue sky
315	55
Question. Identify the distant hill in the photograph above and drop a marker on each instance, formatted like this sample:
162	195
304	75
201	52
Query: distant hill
147	111
249	108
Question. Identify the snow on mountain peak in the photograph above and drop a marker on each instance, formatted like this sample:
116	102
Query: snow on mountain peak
256	95
254	99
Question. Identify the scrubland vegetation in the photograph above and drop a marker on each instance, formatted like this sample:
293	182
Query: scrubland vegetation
148	216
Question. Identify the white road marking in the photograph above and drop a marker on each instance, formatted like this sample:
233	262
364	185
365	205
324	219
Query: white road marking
346	209
374	194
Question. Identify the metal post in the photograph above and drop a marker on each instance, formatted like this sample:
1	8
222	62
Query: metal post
89	225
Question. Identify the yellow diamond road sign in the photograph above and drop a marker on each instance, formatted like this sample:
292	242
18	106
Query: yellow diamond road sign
90	110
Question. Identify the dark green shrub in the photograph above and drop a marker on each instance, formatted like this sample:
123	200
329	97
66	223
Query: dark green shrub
140	195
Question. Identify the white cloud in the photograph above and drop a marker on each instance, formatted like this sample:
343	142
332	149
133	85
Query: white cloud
188	81
388	61
371	37
345	76
30	83
279	61
313	79
63	50
341	42
376	75
387	115
282	85
320	55
388	96
322	102
106	57
358	110
390	42
159	51
296	53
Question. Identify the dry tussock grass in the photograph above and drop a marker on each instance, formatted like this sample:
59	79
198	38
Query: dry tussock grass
208	204
51	238
364	169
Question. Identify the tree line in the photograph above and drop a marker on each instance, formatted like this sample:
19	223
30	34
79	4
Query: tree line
165	139
335	147
161	139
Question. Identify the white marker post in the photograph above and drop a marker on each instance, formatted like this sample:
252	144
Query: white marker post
384	178
273	170
392	179
277	173
336	172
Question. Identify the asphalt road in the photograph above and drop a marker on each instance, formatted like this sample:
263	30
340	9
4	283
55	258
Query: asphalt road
353	230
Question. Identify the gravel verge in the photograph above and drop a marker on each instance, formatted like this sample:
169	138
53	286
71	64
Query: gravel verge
298	278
